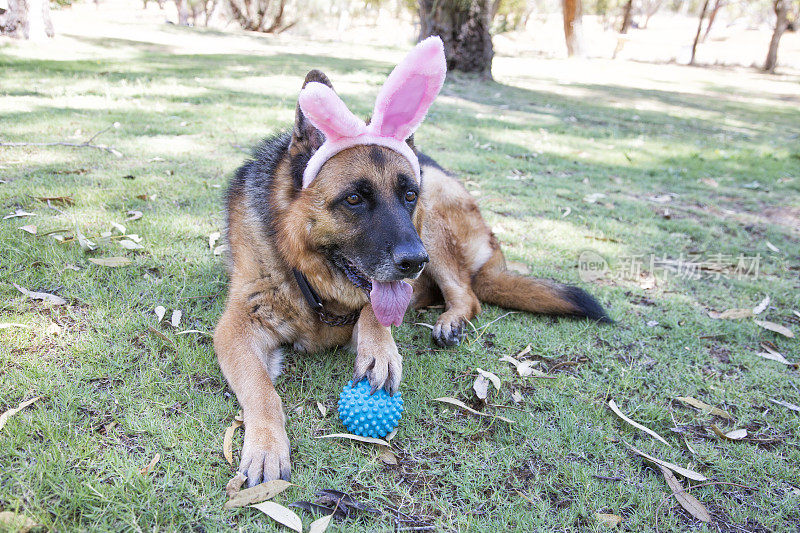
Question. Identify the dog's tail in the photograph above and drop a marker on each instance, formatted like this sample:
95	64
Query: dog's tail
496	285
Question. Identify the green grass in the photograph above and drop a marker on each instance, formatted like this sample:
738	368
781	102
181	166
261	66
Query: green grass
529	146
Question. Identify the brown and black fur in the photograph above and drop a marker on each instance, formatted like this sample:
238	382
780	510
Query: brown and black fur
275	226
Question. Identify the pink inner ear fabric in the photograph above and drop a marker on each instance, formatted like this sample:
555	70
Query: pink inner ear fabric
403	106
323	107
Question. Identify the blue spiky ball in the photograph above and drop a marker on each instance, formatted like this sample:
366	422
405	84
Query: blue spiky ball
369	416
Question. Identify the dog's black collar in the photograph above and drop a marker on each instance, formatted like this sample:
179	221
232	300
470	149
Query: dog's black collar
316	305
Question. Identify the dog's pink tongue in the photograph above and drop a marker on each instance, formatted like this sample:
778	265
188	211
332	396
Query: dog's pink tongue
390	300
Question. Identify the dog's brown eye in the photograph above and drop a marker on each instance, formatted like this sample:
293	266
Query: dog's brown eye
354	199
411	196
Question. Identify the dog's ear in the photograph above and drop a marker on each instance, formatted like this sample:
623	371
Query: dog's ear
305	137
410	143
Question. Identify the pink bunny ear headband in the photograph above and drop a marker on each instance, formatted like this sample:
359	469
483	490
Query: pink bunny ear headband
399	110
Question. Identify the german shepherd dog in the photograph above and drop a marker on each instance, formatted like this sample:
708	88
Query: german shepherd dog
302	260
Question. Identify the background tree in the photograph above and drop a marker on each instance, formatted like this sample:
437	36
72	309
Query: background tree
699	29
718	4
781	8
261	15
464	27
573	30
648	9
26	19
626	17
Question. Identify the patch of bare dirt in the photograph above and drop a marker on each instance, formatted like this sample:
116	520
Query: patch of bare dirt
788	217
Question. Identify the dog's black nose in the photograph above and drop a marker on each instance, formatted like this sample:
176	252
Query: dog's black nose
409	260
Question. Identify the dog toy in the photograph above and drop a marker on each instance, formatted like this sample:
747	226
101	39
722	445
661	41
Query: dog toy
399	109
368	415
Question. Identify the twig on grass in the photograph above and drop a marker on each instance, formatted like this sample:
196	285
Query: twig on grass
480	331
85	144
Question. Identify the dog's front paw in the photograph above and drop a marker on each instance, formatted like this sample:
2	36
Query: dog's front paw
265	454
449	329
382	365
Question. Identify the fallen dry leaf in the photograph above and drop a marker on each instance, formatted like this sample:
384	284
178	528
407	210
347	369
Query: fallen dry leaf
320	525
692	505
188	331
163	337
227	441
212	239
119	227
610	520
774	355
6	325
17	522
702	406
462	405
593	197
152	464
11	412
110	262
175	319
44	296
369	440
787	405
134	237
19	213
491	377
524	351
685	472
322	409
736	434
57	200
777	328
761	307
391	434
638	426
130	245
280	514
160	311
85	244
235	484
30	228
481	387
221	249
516	396
388	457
523	368
731	314
259	493
134	215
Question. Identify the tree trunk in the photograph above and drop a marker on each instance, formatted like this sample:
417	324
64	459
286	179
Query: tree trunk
183	12
626	17
781	8
650	8
717	5
699	28
464	29
27	19
573	31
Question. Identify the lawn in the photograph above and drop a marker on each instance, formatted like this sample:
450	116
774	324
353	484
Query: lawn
686	181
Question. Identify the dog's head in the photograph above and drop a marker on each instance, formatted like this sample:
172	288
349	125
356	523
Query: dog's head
363	212
366	200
